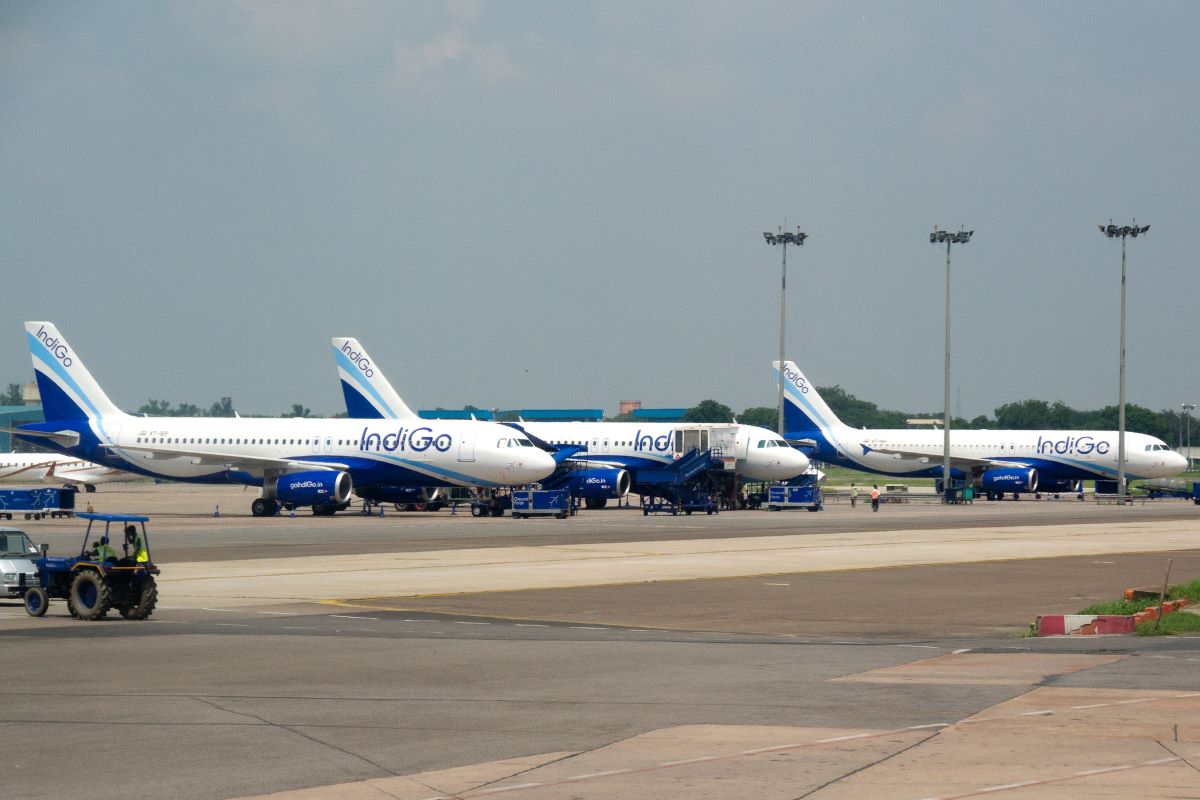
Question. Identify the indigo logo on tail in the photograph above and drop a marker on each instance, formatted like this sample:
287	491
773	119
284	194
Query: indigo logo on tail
55	346
360	360
797	380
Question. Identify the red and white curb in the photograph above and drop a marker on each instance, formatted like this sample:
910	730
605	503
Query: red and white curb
1096	624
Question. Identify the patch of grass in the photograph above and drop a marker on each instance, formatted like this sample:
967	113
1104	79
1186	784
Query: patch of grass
1121	606
1189	590
1171	624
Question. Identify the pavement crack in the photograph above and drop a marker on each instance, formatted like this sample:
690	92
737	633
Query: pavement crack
531	768
296	732
876	762
1182	758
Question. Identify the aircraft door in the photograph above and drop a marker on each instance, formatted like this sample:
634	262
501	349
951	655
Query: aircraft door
316	445
328	445
466	447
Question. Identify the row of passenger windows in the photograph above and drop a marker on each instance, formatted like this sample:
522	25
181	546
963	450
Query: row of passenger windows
196	440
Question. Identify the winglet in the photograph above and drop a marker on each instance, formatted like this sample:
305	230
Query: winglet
368	393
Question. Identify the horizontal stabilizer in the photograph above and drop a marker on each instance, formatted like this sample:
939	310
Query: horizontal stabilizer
66	438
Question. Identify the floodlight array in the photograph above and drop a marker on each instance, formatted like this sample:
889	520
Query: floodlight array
1121	231
785	237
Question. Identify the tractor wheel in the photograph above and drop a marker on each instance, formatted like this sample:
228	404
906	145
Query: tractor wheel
147	600
36	602
91	595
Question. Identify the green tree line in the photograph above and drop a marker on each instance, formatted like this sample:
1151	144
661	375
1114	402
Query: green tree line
1022	415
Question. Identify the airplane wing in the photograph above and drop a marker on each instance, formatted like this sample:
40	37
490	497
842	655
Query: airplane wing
66	438
95	473
962	462
238	461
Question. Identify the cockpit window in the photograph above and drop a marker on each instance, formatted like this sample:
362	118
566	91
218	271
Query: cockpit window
781	443
525	443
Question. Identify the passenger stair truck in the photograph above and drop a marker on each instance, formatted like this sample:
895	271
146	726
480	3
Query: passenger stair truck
702	472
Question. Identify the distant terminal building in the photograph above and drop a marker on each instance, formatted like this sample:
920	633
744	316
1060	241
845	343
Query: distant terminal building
922	422
12	416
658	414
528	414
456	413
634	411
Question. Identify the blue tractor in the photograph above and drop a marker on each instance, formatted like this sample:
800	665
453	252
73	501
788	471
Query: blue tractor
102	577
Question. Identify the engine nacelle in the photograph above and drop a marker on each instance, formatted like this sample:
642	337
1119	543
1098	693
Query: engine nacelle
398	494
1013	479
317	488
598	482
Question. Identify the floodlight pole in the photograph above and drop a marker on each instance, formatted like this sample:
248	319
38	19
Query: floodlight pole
937	237
783	238
1188	408
1114	232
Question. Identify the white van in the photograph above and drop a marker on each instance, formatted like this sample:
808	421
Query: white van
16	562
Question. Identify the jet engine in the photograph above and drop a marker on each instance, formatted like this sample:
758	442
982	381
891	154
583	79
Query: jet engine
316	488
1013	479
596	483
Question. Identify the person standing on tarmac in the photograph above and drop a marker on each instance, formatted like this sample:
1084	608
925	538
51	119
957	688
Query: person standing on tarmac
875	497
853	495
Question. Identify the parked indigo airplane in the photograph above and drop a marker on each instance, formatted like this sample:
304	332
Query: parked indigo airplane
296	462
993	461
56	468
615	451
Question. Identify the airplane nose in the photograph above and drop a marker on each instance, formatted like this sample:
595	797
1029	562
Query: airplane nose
798	461
534	466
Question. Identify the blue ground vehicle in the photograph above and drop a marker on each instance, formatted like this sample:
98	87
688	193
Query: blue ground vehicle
541	503
101	577
37	503
807	496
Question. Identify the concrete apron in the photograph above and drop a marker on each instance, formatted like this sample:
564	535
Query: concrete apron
326	578
1049	743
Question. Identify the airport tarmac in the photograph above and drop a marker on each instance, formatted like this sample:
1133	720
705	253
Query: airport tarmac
784	654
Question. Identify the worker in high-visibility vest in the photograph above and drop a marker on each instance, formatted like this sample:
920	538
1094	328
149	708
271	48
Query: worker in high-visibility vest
134	544
102	551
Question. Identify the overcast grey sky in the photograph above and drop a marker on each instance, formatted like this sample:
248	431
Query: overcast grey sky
562	204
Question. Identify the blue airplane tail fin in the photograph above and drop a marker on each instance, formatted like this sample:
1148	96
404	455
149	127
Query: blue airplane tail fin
804	411
68	390
368	393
